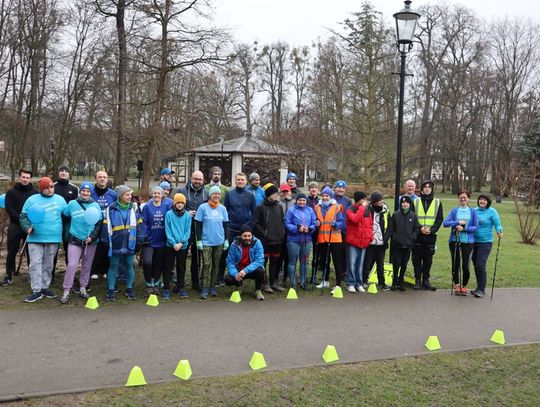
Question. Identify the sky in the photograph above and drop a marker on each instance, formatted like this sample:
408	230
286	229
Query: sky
301	22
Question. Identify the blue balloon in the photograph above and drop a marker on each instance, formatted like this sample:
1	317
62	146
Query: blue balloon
3	201
92	216
36	214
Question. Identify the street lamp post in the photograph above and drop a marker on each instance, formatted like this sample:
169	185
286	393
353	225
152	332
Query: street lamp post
406	20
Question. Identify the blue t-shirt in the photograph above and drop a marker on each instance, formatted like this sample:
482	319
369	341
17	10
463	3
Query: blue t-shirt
464	214
78	227
50	229
212	224
154	219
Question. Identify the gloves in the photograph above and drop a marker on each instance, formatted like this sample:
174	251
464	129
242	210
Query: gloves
226	245
334	223
199	245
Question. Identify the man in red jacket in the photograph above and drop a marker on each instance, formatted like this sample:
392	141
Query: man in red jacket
359	236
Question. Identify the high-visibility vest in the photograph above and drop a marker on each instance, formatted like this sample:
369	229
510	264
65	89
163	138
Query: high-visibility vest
427	218
326	233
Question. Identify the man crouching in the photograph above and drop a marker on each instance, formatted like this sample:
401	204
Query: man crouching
246	260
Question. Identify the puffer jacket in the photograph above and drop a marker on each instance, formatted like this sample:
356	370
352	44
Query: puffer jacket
359	226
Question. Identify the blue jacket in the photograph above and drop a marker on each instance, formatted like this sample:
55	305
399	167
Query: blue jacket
295	216
177	228
258	193
487	220
154	222
123	229
50	229
256	256
240	205
452	221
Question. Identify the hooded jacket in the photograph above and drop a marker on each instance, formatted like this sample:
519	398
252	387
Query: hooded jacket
359	226
15	199
268	223
403	228
256	256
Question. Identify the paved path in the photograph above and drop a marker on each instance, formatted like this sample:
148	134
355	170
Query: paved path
63	350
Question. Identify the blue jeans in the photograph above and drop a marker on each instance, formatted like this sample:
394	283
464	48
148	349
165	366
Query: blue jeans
114	261
355	256
298	251
480	256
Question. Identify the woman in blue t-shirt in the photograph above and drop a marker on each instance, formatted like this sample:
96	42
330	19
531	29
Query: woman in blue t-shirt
464	222
488	219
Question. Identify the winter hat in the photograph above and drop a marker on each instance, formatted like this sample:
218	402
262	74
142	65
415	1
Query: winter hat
122	189
158	189
86	185
63	168
179	198
341	184
44	183
245	228
376	196
359	195
165	185
272	189
424	183
313	184
166	171
266	186
486	197
292	175
284	187
253	176
301	195
215	169
214	190
405	198
326	190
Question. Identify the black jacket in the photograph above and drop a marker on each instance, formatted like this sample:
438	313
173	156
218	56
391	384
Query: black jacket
431	239
403	229
15	199
268	223
194	197
66	190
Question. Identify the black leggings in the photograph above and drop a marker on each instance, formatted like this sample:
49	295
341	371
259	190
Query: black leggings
153	264
461	253
324	251
272	255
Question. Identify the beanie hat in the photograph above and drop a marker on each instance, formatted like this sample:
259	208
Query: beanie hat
292	175
301	195
284	187
326	190
215	169
44	183
405	198
158	189
253	176
214	190
359	195
165	185
245	228
122	189
63	168
486	197
376	196
424	183
265	187
272	189
314	184
341	184
179	198
86	185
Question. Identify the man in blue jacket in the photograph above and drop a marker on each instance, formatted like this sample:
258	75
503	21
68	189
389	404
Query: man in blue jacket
245	259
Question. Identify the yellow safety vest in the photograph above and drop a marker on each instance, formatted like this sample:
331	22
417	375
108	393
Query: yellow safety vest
427	218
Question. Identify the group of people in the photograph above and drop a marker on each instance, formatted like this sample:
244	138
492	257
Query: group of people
250	231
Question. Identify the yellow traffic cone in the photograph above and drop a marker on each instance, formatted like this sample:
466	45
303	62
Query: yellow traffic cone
152	300
257	361
338	292
136	377
183	370
433	343
291	295
92	303
235	297
372	288
498	337
330	354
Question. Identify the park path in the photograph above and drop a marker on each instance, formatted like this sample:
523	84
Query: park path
75	349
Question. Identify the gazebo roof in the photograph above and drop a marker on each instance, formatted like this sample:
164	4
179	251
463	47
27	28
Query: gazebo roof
244	145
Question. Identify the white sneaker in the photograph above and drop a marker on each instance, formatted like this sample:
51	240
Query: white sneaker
361	289
323	284
351	289
94	276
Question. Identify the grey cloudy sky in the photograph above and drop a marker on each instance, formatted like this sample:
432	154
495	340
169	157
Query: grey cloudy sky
300	22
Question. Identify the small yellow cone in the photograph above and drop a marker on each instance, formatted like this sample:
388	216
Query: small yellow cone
373	277
330	354
372	289
433	343
136	377
92	303
183	370
235	297
152	300
498	337
291	295
257	361
388	279
338	292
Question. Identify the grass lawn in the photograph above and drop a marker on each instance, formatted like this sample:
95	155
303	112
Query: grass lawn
505	376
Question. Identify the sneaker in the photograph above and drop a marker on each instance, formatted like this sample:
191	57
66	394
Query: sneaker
221	283
6	281
33	297
393	287
323	284
110	295
94	276
479	294
76	290
351	289
166	295
203	294
417	284
268	289
457	289
427	286
213	292
48	293
183	294
130	294
401	288
384	287
83	293
116	289
365	286
64	298
104	276
464	291
259	295
148	291
361	289
277	288
156	290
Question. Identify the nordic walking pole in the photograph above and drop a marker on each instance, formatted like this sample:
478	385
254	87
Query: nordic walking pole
22	253
495	268
454	264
